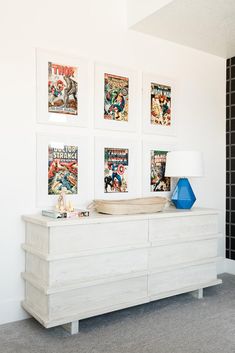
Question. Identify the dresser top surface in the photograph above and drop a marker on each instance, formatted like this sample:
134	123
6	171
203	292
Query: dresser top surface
104	218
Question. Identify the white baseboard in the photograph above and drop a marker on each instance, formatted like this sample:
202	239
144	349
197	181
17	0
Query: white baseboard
229	266
220	265
11	310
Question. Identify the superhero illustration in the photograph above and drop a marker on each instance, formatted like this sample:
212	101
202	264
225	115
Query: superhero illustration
116	97
62	89
158	181
116	170
62	170
160	104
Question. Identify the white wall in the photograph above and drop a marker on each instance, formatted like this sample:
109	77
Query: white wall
138	10
96	30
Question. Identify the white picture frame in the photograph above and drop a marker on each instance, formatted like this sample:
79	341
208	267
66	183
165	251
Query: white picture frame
43	57
134	167
147	126
147	147
133	99
85	189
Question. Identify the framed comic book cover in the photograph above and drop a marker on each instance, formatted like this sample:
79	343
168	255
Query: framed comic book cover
155	183
63	162
62	89
117	168
116	98
159	105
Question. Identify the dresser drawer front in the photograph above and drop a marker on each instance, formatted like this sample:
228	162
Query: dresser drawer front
85	302
180	253
182	227
71	239
178	279
87	268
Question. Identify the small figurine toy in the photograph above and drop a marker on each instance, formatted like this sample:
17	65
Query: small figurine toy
61	204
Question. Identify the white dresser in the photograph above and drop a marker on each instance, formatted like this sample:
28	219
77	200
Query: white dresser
84	267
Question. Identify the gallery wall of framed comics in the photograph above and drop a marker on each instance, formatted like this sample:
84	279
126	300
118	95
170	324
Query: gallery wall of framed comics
125	101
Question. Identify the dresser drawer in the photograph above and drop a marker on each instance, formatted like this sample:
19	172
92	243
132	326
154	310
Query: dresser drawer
182	226
87	301
180	253
87	268
181	278
72	239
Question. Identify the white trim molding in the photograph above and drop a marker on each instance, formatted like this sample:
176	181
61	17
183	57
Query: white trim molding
229	266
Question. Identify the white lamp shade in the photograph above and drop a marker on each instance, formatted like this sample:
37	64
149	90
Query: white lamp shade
184	164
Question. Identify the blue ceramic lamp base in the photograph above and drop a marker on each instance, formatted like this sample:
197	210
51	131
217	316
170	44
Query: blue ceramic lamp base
183	196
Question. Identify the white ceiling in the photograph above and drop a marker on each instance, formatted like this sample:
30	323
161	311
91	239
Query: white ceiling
207	25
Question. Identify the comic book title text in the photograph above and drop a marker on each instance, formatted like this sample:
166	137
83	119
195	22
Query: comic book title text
62	70
68	152
159	158
117	155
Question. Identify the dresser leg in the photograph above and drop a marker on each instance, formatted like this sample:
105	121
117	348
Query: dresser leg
72	327
198	293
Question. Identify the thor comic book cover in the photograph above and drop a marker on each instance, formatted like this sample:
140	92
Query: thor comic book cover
62	89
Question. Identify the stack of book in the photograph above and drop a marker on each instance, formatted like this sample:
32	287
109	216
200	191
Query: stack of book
66	214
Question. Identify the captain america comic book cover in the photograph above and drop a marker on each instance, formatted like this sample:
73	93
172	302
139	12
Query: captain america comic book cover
158	180
160	104
62	89
116	162
116	97
62	170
